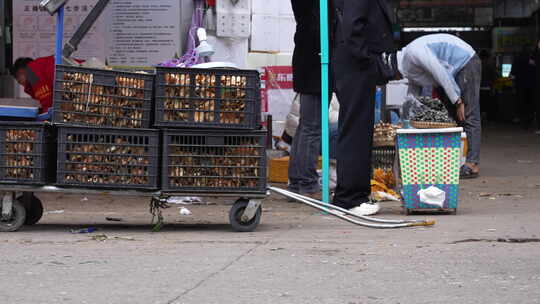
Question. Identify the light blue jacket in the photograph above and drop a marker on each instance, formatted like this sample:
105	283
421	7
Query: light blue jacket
435	60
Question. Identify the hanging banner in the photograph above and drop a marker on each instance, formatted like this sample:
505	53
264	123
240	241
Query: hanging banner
34	30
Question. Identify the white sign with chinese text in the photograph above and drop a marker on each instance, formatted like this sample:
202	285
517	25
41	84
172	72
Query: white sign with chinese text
142	32
34	30
129	32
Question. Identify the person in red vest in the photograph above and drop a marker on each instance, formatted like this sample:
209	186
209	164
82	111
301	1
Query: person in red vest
37	78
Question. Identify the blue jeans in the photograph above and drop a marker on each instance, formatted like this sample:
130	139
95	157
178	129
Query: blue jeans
303	177
469	80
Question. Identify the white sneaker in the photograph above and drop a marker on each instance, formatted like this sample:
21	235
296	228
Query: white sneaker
366	209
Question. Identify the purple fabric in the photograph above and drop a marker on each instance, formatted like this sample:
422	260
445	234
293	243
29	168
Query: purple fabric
190	58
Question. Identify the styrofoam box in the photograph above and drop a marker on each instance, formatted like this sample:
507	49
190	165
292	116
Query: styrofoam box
265	7
258	60
268	37
233	50
264	36
287	28
233	20
272	7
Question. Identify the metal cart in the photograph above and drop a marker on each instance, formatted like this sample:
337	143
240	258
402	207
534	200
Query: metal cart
21	207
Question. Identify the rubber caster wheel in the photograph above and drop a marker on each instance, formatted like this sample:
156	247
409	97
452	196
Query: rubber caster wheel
235	217
34	208
15	220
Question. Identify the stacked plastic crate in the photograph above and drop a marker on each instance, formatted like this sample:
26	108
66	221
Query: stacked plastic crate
210	121
103	119
24	148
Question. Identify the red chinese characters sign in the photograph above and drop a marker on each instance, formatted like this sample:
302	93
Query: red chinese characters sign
274	78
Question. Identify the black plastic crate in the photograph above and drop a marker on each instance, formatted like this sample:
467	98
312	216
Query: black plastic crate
25	153
207	98
102	98
214	161
108	158
383	158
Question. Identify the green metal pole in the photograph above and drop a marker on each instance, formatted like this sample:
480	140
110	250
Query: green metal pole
325	61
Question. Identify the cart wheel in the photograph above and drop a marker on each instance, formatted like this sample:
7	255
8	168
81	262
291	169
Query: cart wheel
235	216
16	220
34	208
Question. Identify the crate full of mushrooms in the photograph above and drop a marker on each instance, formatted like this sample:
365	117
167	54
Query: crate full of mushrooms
24	148
207	98
214	161
102	98
107	158
384	135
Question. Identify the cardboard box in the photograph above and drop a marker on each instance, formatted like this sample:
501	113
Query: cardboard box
233	50
279	170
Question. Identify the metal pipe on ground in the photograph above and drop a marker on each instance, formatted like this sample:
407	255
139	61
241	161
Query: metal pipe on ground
342	213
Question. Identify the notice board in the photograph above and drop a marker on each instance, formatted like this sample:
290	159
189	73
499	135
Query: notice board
34	30
142	32
129	32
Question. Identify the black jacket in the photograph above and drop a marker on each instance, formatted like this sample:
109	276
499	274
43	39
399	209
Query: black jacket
306	57
537	78
365	26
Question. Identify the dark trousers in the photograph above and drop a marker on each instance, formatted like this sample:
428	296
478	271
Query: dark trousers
469	80
537	106
303	176
527	104
355	88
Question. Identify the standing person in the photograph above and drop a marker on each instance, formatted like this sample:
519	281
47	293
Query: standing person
524	72
306	145
489	75
446	61
363	31
537	87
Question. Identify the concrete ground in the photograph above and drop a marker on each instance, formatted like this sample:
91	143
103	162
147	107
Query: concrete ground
488	253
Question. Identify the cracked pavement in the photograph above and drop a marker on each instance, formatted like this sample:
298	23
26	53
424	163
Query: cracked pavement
296	256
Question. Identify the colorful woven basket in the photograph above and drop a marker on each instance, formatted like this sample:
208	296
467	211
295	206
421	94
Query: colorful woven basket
429	157
432	125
